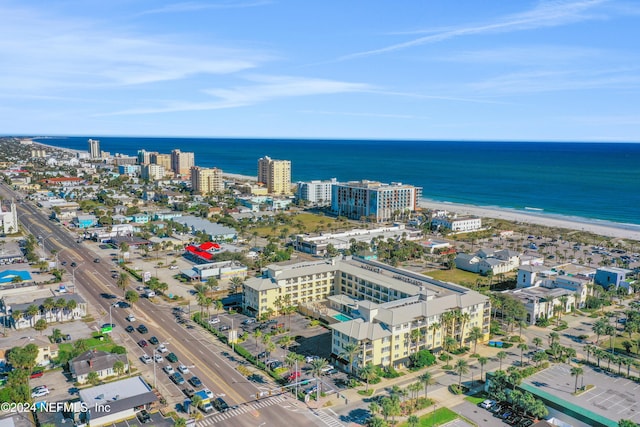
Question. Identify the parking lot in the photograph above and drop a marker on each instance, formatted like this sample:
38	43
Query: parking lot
612	397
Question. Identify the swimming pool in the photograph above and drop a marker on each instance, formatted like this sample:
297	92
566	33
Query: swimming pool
342	317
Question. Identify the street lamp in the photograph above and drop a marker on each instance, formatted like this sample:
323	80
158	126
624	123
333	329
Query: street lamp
43	240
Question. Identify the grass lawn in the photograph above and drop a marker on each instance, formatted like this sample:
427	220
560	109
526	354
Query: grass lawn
311	222
455	276
437	418
477	398
92	343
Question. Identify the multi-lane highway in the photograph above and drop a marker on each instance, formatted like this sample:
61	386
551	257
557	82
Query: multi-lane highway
206	358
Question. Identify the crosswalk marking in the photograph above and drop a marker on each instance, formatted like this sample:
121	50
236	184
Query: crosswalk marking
221	416
327	419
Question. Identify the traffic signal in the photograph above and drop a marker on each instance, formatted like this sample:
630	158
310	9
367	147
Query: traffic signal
257	395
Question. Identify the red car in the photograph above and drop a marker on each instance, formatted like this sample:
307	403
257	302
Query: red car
293	376
143	343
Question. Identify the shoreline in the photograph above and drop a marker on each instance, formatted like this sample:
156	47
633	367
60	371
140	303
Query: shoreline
603	228
599	227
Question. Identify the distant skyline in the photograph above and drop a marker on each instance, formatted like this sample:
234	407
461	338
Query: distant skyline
435	70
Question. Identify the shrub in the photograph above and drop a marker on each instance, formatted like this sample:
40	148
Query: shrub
542	322
456	389
515	338
460	350
390	372
375	380
421	359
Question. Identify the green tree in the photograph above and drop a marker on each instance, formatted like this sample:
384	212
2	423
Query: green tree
367	373
349	352
123	282
576	372
474	335
461	368
132	297
501	355
40	325
522	347
537	341
413	421
482	361
93	378
426	379
118	366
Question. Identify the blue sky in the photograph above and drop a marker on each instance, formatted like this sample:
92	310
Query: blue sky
465	69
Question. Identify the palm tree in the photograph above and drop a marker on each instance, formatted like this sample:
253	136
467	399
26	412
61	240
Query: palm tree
537	341
16	315
501	356
474	335
522	347
123	281
426	380
60	305
48	305
317	365
367	373
461	367
576	371
434	327
350	351
482	361
71	305
464	321
118	366
31	312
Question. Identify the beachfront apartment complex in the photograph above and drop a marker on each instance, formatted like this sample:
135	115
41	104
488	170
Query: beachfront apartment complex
94	149
456	223
316	192
152	172
206	180
182	162
275	175
374	201
163	160
373	305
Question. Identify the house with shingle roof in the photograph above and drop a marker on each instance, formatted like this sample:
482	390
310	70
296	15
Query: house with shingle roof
99	362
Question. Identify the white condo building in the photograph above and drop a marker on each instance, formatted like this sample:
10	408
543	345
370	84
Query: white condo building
316	192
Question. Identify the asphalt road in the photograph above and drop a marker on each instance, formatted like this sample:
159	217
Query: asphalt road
191	346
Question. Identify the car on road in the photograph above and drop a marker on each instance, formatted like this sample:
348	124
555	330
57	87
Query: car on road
73	264
154	341
96	260
143	343
108	296
177	378
220	404
114	275
143	416
169	370
195	381
171	357
162	349
146	359
142	329
108	325
129	329
131	318
158	358
183	369
123	304
331	372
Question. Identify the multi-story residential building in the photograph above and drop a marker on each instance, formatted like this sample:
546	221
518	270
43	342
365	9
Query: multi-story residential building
377	306
8	217
206	180
541	302
94	149
373	200
144	156
457	223
182	162
275	174
152	172
162	160
120	159
316	192
612	276
130	170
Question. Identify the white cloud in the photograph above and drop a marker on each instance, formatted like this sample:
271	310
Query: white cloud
192	6
546	14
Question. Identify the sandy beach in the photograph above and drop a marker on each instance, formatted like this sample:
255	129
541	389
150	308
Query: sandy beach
624	231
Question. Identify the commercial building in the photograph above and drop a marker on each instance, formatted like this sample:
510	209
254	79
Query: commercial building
376	306
275	174
182	162
100	362
316	192
94	149
374	201
612	276
206	180
456	223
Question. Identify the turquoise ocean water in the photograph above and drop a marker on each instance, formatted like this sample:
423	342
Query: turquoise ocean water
594	181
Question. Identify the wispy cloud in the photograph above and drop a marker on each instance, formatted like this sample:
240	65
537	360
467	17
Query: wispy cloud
265	88
546	14
192	6
525	55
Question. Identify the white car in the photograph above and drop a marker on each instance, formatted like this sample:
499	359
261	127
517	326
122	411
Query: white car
214	320
158	358
169	370
327	368
146	359
208	392
173	267
39	392
162	349
183	369
131	318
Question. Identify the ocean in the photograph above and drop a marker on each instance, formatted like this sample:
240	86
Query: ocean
594	181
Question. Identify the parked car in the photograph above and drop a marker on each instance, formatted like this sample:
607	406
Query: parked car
146	359
108	325
142	329
154	341
486	404
171	357
143	416
188	391
248	321
224	328
36	374
208	392
195	381
39	392
214	320
293	376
